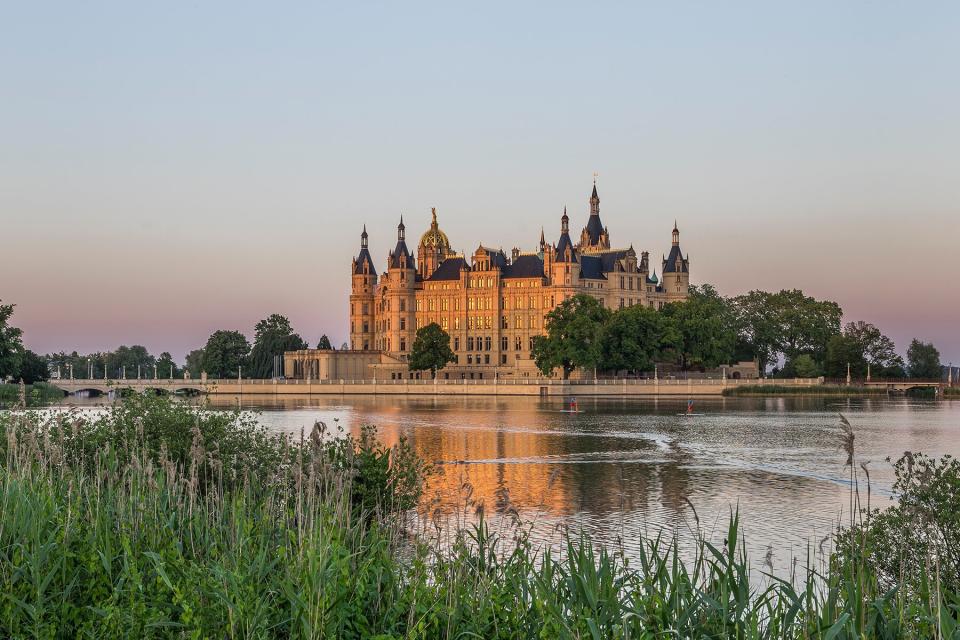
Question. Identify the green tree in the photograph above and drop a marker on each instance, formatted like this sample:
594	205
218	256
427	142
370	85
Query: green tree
194	363
272	337
634	338
166	367
805	366
431	350
33	368
573	332
324	343
225	353
11	345
923	361
706	326
879	350
843	350
759	328
125	360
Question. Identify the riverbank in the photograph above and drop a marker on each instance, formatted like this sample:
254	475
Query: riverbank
34	394
207	525
776	389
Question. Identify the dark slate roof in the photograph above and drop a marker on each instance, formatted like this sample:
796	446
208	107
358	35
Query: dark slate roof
525	266
449	269
591	267
401	249
670	264
562	247
594	228
609	259
364	257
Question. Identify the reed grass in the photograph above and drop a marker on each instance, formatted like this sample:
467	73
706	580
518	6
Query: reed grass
116	528
811	390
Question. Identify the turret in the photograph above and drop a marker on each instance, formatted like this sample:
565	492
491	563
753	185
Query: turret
433	248
398	320
594	236
676	271
363	285
566	267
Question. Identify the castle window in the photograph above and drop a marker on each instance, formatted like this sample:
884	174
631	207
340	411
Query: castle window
531	344
470	361
469	343
403	325
486	322
516	322
443	324
403	305
621	303
503	358
486	359
456	343
486	343
621	284
456	323
489	282
517	343
503	343
366	309
403	344
366	327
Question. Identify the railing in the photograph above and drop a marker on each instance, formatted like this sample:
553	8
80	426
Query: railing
199	382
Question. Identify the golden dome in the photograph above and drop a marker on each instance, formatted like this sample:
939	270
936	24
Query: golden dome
434	237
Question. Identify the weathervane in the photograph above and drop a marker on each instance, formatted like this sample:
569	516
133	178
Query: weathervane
595	174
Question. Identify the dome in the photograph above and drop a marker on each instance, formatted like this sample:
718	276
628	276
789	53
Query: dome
434	237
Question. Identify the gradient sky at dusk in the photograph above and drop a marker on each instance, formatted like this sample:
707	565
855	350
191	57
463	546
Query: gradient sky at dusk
173	169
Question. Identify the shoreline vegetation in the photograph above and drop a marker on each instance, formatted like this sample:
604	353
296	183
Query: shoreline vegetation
812	390
159	519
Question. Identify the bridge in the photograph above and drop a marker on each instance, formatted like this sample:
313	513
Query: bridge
903	385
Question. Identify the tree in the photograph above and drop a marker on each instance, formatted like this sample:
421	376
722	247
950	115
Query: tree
878	349
324	343
33	368
272	337
11	345
923	361
805	366
194	363
841	351
572	340
225	353
431	350
759	327
634	337
125	361
706	326
166	367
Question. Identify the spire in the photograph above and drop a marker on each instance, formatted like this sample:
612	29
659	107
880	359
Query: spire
543	240
564	222
363	238
594	200
676	234
400	229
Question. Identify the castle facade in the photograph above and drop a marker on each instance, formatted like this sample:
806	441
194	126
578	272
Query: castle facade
492	304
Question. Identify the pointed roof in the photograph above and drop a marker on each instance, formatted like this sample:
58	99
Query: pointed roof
564	243
401	249
364	257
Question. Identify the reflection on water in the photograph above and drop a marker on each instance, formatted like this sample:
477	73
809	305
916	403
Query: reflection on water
620	468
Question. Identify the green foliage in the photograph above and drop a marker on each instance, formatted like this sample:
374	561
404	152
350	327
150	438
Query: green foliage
787	323
324	343
899	542
573	335
272	337
11	345
635	337
125	360
33	368
707	328
923	360
166	367
877	349
430	350
224	354
194	363
150	536
804	366
805	390
843	350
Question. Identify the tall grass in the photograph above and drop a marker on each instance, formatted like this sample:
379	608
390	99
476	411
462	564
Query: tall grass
810	390
141	535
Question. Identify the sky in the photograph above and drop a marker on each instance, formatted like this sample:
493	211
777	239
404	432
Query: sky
170	169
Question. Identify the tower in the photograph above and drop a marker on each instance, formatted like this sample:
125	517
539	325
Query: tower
397	299
594	237
565	267
676	271
364	282
433	249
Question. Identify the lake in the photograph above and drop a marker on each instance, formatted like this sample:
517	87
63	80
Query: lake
620	469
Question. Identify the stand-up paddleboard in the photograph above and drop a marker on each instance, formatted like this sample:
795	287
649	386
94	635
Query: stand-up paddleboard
573	407
689	410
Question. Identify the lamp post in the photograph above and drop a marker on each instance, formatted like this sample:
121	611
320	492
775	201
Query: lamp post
154	370
848	374
89	369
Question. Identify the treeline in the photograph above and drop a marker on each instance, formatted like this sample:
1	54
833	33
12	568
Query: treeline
789	332
227	353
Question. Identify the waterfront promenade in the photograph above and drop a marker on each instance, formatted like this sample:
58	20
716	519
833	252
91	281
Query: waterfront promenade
512	387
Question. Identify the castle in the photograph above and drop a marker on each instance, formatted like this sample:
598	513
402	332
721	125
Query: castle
491	304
